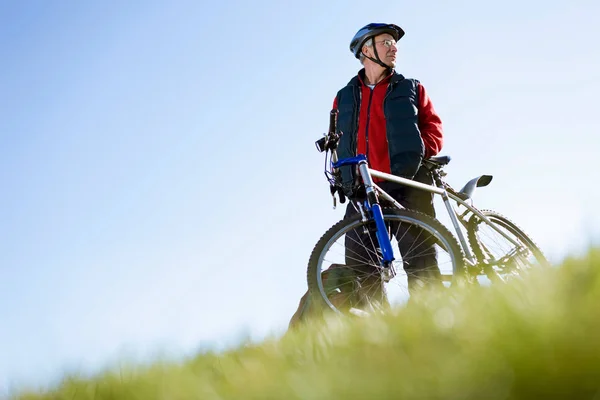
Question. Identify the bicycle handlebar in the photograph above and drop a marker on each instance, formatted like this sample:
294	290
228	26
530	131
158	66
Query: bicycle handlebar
330	140
333	121
329	143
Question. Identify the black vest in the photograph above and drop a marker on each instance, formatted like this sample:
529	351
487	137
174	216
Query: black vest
405	146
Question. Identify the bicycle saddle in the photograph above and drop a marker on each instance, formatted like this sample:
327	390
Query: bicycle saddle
436	162
440	160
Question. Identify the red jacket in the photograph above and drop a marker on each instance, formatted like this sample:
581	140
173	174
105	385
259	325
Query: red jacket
429	123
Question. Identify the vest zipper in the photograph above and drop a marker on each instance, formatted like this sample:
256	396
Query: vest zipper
387	93
357	101
367	124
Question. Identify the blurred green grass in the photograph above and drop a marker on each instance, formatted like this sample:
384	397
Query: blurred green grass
532	338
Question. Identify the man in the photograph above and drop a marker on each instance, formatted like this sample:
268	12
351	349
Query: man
391	120
397	125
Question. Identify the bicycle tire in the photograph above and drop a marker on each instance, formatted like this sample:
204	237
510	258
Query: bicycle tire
510	226
414	218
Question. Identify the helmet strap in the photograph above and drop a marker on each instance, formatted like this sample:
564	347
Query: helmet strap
376	60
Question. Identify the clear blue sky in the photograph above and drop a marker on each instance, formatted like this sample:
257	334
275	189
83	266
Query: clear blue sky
161	188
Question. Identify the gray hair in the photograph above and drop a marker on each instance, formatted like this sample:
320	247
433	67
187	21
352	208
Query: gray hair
368	43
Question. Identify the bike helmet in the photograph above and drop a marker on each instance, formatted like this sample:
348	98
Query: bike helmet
371	30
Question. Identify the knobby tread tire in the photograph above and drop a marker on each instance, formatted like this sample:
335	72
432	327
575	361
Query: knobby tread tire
507	224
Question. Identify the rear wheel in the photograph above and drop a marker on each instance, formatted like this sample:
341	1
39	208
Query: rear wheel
345	271
500	257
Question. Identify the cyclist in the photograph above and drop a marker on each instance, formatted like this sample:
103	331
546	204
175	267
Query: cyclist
392	120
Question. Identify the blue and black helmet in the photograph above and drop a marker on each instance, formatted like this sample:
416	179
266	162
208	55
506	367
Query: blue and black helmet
370	30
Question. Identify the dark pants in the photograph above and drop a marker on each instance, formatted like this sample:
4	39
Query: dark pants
415	245
419	269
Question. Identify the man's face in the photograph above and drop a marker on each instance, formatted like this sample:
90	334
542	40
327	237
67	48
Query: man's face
386	49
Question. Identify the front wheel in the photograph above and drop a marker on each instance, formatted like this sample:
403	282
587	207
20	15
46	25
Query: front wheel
346	272
499	257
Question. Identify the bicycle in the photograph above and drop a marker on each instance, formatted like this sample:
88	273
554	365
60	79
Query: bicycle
360	283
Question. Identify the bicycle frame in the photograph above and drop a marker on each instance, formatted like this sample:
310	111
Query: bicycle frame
372	205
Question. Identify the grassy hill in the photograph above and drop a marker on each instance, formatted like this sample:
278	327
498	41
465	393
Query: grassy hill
537	338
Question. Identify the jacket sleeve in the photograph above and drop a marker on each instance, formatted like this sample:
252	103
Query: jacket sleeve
430	124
